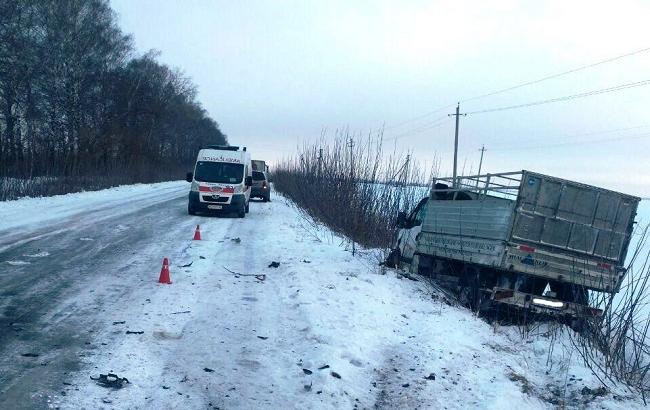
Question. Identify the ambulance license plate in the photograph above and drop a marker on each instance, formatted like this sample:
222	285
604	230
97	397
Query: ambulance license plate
215	207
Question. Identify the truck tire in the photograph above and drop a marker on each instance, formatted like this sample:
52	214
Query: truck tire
242	212
247	207
393	259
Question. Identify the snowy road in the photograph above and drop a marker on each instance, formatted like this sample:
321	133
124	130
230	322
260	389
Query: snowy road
322	330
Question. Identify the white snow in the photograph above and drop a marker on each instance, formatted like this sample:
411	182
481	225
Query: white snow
214	339
26	212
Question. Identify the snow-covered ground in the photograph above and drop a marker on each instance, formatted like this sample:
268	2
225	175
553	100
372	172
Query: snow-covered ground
325	329
28	212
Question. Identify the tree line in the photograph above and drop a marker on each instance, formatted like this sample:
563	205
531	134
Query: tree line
77	104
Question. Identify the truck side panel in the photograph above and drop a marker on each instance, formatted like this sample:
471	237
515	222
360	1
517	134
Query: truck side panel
569	216
470	231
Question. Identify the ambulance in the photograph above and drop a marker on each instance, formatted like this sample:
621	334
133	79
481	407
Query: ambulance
221	181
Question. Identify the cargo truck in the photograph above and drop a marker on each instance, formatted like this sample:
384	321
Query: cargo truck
520	240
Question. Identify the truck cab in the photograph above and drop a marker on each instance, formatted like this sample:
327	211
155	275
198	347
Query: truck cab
408	229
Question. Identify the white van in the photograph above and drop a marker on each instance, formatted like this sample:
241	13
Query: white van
221	181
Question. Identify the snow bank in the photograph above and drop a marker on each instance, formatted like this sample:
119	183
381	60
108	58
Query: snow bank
31	211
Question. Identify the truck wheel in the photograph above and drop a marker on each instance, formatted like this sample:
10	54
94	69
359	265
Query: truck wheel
393	259
247	207
190	211
242	212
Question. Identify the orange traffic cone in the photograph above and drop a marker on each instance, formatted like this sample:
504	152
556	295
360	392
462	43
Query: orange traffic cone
164	273
197	234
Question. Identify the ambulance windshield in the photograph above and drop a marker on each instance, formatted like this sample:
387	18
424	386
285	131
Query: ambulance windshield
222	172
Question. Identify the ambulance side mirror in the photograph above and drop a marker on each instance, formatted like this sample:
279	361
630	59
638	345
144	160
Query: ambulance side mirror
189	177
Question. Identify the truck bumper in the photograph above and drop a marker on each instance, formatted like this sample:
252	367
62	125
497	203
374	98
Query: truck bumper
260	192
542	304
237	204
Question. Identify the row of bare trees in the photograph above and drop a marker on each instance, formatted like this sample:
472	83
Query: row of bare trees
76	104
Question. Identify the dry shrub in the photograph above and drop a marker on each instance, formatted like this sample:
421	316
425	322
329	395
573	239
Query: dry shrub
617	347
352	187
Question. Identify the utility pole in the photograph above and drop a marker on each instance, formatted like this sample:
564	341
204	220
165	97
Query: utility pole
320	160
351	144
480	163
458	114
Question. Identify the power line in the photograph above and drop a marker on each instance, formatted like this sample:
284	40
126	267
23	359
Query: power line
565	98
419	117
561	144
425	127
503	90
585	134
550	77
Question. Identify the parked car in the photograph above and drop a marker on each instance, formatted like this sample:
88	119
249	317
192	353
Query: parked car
261	186
220	181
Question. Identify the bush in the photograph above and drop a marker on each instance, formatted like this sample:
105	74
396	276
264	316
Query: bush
349	185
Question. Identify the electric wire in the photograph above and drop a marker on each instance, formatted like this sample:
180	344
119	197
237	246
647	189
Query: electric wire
564	98
524	84
424	127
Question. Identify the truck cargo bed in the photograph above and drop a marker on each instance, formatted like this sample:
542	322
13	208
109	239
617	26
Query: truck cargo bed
536	224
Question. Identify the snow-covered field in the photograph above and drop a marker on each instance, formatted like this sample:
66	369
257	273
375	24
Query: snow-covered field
324	329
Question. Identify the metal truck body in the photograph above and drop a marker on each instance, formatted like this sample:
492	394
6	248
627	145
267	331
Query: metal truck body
522	231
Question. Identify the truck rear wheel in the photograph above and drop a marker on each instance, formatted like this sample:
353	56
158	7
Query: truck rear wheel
393	259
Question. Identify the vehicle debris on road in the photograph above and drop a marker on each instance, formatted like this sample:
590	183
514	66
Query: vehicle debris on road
110	380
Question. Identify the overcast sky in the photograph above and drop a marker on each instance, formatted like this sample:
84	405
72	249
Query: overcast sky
275	73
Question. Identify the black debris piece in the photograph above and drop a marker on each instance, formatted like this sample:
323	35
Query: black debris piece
134	332
262	337
121	322
431	376
308	386
319	392
30	355
178	313
334	374
307	371
166	387
207	369
187	265
306	261
274	264
236	240
327	366
201	257
405	385
110	380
